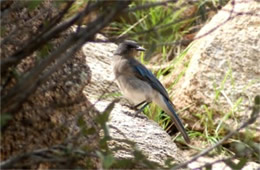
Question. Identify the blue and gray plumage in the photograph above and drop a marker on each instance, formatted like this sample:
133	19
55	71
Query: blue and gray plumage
138	84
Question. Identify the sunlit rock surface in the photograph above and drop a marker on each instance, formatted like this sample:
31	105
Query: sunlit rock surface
149	137
224	67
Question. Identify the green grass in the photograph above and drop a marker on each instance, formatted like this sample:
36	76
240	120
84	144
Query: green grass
163	20
170	26
112	95
215	130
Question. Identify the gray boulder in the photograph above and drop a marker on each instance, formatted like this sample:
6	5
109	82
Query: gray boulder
149	137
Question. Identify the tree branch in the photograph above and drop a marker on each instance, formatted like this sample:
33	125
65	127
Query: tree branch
42	38
251	120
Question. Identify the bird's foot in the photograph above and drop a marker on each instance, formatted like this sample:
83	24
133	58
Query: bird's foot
137	112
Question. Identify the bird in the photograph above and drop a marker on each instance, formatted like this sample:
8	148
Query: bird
139	85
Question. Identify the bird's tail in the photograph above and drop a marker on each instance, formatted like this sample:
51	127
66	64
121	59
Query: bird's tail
167	106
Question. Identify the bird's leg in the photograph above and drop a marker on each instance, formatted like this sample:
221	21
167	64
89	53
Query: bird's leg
136	106
142	108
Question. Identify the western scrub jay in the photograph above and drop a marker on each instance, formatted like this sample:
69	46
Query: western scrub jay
139	85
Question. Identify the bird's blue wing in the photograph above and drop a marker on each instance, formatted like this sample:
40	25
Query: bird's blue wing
144	74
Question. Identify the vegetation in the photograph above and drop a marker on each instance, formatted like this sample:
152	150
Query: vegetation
165	29
170	29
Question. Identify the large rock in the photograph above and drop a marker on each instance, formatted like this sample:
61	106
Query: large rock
224	67
149	137
49	115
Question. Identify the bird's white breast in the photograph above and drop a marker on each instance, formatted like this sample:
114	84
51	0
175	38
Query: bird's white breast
135	89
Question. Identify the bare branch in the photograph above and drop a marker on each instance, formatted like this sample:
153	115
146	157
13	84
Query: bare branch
251	120
214	162
56	153
41	38
29	83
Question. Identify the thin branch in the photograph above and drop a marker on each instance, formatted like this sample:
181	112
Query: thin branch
56	153
214	162
39	40
13	99
251	120
18	29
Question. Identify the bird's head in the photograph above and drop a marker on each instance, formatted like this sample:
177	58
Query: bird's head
128	48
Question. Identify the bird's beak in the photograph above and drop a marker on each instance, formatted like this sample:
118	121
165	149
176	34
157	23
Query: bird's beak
140	48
